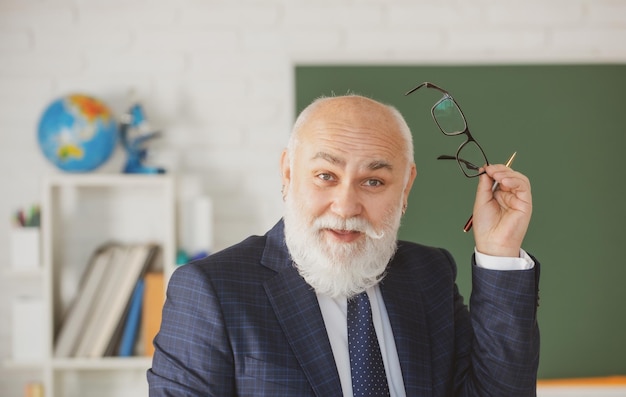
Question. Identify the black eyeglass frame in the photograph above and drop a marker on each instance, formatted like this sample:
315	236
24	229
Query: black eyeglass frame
461	162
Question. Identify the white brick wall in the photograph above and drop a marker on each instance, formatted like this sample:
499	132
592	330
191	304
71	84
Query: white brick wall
217	77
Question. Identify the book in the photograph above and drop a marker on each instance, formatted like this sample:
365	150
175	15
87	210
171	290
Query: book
153	298
124	279
132	322
77	316
155	264
105	294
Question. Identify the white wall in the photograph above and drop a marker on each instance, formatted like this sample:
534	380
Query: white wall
217	78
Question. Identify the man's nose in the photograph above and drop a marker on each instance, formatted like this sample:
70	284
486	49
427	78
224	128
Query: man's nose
346	201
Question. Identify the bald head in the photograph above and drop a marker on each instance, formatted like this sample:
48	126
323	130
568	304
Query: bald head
357	113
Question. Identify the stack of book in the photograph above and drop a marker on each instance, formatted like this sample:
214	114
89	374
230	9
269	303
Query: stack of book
112	313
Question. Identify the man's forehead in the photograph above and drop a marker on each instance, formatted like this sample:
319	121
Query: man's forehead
339	160
355	130
345	142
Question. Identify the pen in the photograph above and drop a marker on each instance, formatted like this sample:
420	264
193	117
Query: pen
468	224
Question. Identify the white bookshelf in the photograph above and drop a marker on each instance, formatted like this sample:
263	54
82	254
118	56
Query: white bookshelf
79	213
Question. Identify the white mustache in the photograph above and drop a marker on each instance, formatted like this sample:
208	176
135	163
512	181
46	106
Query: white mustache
351	224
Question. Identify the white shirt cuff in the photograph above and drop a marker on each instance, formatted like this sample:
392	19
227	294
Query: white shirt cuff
523	262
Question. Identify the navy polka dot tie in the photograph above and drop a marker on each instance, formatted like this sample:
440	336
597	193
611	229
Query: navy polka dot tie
366	362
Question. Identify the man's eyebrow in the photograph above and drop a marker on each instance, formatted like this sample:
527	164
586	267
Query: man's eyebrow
328	157
374	165
379	164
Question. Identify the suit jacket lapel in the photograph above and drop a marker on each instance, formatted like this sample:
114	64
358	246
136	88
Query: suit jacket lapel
409	324
298	312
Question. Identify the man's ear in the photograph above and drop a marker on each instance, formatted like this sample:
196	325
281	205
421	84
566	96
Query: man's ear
409	183
285	169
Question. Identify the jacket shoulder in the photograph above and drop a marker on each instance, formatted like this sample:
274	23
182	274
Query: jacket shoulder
423	258
238	262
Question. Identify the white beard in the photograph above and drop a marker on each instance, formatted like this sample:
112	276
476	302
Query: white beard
339	269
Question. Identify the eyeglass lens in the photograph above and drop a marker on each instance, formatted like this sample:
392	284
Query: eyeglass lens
451	121
449	117
471	158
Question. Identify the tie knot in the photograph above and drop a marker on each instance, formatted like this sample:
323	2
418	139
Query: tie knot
359	306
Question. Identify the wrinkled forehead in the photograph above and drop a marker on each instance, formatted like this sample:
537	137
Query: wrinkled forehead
354	124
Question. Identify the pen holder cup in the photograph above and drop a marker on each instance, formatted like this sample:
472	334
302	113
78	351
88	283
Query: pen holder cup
25	249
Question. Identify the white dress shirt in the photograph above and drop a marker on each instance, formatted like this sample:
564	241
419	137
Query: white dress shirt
335	312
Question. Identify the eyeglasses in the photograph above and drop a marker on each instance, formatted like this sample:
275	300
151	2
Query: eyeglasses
451	121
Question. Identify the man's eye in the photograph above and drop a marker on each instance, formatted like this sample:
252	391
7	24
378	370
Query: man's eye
325	177
373	183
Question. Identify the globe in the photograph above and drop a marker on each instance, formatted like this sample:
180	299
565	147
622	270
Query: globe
77	133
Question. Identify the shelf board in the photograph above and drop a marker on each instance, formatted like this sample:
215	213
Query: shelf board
105	363
24	274
23	365
107	180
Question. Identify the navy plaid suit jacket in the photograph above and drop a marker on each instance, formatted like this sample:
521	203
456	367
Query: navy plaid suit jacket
242	322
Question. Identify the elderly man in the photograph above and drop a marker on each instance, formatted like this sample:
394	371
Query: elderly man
329	303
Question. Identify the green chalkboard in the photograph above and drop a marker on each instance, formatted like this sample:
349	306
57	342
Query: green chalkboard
568	126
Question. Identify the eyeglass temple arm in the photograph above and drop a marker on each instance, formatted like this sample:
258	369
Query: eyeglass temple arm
428	85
